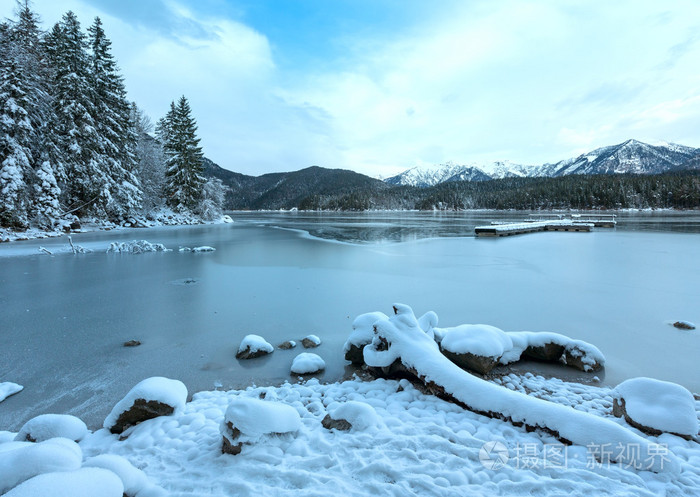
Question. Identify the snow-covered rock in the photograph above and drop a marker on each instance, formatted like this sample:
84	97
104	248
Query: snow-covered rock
310	341
684	325
247	420
20	461
8	388
150	398
544	345
137	247
287	344
655	406
307	363
85	482
226	219
475	346
135	481
358	415
253	346
401	339
46	426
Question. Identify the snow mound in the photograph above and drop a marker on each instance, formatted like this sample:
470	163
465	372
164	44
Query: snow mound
8	388
660	405
136	247
203	248
255	343
255	418
401	339
226	219
7	436
360	415
156	388
307	363
478	339
85	482
47	426
135	481
21	461
363	329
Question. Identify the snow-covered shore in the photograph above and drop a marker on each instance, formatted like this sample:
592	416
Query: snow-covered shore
164	217
416	444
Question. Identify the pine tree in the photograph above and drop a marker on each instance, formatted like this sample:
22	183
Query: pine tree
114	126
85	182
184	181
24	104
150	161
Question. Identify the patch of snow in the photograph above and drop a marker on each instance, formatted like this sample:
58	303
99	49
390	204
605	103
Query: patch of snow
478	339
137	247
226	219
256	343
307	363
85	482
135	481
156	388
20	461
47	426
661	405
8	388
203	248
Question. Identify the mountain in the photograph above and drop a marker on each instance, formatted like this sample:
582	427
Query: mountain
425	176
630	157
292	189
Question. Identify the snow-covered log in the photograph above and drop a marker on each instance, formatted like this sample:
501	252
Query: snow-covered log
400	339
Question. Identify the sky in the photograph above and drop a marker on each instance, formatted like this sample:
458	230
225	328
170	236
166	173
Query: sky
379	86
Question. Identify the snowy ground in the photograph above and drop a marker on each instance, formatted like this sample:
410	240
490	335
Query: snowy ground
415	445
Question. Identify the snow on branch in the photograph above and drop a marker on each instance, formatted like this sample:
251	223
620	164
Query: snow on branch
399	342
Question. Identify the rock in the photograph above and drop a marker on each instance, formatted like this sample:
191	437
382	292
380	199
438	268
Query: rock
311	341
152	397
230	434
307	363
684	325
354	354
140	411
656	407
550	352
132	343
472	362
577	358
47	426
75	225
253	346
335	424
289	344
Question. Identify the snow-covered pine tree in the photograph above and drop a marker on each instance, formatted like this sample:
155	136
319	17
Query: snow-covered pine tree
24	103
114	126
149	159
183	185
15	135
85	181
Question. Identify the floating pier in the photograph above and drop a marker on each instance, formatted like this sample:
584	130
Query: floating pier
510	229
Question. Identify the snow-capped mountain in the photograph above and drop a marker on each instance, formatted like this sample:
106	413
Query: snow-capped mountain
429	176
632	157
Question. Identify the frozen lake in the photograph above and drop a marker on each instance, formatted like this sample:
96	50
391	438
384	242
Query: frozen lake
63	319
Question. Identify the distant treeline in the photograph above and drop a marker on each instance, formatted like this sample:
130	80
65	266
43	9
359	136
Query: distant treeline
670	190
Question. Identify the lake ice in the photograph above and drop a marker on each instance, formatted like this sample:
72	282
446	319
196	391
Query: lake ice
64	318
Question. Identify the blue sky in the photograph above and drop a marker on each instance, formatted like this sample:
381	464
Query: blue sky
379	86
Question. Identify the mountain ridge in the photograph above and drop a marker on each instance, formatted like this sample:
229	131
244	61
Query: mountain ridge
629	157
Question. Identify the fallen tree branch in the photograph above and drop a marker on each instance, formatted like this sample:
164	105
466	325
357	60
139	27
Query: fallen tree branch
400	345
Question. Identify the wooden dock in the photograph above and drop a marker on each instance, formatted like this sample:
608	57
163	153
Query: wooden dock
511	229
596	219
